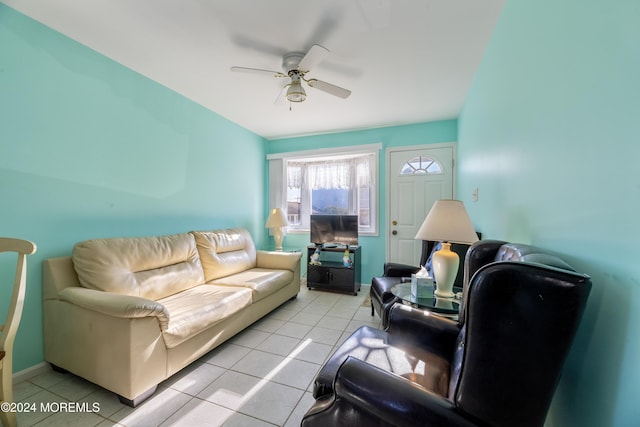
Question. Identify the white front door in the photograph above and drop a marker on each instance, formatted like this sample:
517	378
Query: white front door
416	178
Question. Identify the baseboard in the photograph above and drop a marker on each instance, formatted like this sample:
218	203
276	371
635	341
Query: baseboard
31	372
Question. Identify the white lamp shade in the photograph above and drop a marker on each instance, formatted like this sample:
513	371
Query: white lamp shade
447	221
277	218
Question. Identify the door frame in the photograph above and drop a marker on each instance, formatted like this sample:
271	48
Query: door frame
384	227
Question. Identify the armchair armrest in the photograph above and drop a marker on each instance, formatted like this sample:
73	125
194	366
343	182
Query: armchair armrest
115	305
436	332
278	260
394	269
367	395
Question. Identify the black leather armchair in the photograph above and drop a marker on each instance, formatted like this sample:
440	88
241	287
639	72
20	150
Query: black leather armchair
394	273
498	365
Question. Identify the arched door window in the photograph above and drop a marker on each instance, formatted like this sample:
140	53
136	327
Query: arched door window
421	165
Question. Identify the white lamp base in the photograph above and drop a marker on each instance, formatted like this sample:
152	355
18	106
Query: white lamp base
278	236
445	270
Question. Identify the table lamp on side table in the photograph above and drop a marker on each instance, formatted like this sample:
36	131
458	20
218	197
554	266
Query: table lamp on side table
447	222
277	221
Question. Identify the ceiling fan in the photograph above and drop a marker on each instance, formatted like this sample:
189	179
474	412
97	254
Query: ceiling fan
295	66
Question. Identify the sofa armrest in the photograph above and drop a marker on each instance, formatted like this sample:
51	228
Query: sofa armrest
116	305
278	260
365	394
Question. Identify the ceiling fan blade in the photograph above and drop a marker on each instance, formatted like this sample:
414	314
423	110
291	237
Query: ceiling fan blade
258	71
329	88
313	57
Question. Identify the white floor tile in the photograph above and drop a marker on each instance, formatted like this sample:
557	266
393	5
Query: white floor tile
48	379
25	389
231	390
242	420
272	403
268	324
194	378
342	311
306	318
279	344
153	411
302	407
314	352
296	304
226	355
250	338
282	314
37	412
74	388
323	335
259	364
107	401
70	419
199	412
295	330
296	373
320	309
332	322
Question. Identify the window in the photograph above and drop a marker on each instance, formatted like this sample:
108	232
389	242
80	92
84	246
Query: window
421	165
324	182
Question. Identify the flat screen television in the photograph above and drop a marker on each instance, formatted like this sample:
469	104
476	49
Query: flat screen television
334	230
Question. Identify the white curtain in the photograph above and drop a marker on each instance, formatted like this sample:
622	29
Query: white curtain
363	171
342	174
277	198
294	174
330	174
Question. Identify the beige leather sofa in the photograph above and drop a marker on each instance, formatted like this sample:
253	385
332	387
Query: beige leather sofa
127	313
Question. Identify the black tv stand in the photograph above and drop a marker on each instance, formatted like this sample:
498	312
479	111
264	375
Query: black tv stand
331	274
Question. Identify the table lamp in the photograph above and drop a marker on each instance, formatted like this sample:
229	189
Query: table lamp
447	222
277	221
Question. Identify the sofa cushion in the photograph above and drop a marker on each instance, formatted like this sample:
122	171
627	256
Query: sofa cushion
148	267
225	252
263	282
198	308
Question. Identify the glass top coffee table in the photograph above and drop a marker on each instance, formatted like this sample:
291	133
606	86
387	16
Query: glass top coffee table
445	306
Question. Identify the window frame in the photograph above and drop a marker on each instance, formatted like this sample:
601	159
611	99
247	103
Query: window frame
278	178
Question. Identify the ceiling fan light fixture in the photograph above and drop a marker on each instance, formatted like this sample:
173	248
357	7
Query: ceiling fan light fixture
295	92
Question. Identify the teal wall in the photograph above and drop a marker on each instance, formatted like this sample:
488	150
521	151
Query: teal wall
373	247
549	136
91	149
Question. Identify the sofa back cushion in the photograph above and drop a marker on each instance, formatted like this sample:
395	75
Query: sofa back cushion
225	252
148	267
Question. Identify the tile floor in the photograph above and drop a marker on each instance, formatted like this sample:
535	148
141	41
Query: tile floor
261	377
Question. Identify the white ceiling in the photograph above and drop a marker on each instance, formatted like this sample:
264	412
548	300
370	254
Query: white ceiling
405	61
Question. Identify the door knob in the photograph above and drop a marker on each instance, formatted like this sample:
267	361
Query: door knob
394	232
394	222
